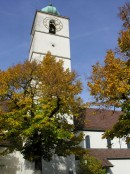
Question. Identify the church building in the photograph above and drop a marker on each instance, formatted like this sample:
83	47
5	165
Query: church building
50	33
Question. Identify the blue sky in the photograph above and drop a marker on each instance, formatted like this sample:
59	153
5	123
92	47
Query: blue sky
94	28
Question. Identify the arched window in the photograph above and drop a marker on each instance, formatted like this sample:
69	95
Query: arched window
128	142
87	140
109	144
52	28
128	145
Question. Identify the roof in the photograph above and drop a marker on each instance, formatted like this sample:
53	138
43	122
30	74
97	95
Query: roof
101	120
104	155
97	119
50	10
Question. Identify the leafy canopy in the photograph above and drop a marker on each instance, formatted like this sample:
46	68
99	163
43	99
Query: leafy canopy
110	83
90	165
37	102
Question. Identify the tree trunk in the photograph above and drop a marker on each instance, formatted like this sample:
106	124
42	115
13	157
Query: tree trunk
38	166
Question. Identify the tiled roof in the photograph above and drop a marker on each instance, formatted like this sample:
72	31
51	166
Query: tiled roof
101	120
104	155
97	119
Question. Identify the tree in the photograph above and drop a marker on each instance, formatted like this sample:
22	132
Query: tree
110	83
37	104
90	165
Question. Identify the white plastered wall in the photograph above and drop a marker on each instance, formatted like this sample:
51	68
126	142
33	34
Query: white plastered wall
120	166
42	41
59	165
96	141
14	163
39	26
119	143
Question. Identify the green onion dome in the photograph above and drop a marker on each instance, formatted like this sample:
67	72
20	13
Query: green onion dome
50	10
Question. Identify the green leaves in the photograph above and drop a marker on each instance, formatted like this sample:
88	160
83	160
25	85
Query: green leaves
39	102
122	127
90	165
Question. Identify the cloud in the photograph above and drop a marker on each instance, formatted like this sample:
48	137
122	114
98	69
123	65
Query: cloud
90	33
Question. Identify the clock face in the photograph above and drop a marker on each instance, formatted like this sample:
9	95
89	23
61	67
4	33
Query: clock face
58	24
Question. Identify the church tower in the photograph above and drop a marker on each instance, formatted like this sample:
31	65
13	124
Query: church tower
50	32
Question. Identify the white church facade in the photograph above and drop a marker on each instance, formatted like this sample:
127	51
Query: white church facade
50	32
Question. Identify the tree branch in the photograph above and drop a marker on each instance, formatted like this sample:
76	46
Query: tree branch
56	108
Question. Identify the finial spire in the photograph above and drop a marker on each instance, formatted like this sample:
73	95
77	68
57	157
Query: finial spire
50	2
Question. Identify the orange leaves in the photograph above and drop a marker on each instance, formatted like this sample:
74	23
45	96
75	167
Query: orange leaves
40	98
110	82
29	83
55	81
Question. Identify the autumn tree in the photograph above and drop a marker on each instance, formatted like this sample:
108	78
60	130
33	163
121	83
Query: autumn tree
37	104
110	83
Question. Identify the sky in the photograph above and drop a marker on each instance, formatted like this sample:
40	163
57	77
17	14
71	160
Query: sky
94	28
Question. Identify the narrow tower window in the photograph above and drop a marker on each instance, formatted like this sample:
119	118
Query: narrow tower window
87	139
52	28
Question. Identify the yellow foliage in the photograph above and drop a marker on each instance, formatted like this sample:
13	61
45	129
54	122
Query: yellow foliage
124	41
36	99
109	83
